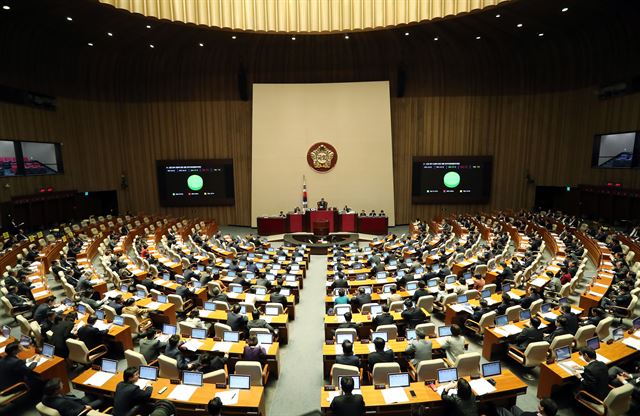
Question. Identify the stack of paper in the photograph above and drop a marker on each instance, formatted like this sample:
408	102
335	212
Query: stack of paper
602	359
229	397
512	329
514	296
99	378
501	332
570	366
395	395
440	340
152	305
203	313
102	325
632	342
192	345
372	347
182	392
481	386
539	282
596	294
339	349
142	383
330	396
550	316
112	293
491	301
158	282
222	346
267	318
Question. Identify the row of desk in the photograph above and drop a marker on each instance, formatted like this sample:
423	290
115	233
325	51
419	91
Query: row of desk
294	223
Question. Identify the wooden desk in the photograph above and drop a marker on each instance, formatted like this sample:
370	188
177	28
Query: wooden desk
281	322
250	402
168	310
331	323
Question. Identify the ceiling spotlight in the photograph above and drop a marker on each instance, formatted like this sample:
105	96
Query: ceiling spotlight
346	36
540	34
69	18
435	39
148	26
201	44
406	33
151	45
109	34
498	15
565	9
6	7
478	38
519	25
90	43
233	37
293	38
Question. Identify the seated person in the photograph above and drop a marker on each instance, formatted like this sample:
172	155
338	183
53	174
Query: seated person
342	298
236	320
546	407
347	404
420	291
380	355
597	315
478	311
454	345
347	322
384	318
394	296
412	315
278	297
130	308
254	352
595	376
150	347
529	334
420	348
463	403
532	296
209	362
347	357
360	299
90	335
66	404
257	322
478	282
128	395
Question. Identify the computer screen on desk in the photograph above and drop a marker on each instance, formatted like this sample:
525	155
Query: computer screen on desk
446	375
230	336
148	373
265	339
237	381
525	314
192	378
340	338
118	320
380	334
593	343
48	350
398	380
491	369
563	353
169	329
376	309
198	333
502	320
109	366
411	334
444	331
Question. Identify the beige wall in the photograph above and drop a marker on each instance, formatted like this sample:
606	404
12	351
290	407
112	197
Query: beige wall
353	117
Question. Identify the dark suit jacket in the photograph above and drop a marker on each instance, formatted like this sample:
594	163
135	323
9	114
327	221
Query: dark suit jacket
348	360
595	379
460	407
68	405
12	371
348	405
413	316
360	300
237	322
61	332
380	357
340	283
527	336
385	318
278	298
572	323
91	336
419	293
128	396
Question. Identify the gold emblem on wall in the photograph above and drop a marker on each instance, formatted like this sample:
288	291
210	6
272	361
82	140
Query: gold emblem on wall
322	157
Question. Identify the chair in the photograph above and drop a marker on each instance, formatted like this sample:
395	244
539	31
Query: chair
472	294
479	327
256	331
36	331
352	331
13	393
69	291
79	353
248	306
135	359
109	312
182	305
620	312
366	308
426	303
397	306
447	300
381	371
214	377
491	287
346	308
25	327
602	330
617	402
259	374
184	328
513	313
168	367
221	305
583	334
219	329
468	364
391	330
137	326
143	288
88	308
426	369
15	311
341	370
559	342
234	285
429	329
536	306
533	356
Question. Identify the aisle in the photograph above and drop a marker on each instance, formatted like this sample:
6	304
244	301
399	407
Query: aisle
298	390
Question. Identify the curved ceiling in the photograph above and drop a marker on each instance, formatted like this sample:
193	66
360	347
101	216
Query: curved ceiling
301	16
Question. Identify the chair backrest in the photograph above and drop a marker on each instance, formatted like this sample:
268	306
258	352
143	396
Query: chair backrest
391	330
426	303
184	328
78	351
25	328
109	312
351	331
218	376
134	358
248	306
219	329
561	341
397	306
481	269
143	288
565	290
366	308
602	330
279	306
340	370
177	301
8	307
513	313
36	331
69	291
429	329
583	334
89	309
256	331
428	369
168	367
46	410
450	298
618	401
491	287
252	369
468	364
535	354
472	294
221	305
132	322
536	306
382	370
337	308
486	320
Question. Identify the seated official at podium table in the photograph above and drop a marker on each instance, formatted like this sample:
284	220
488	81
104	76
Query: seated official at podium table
322	205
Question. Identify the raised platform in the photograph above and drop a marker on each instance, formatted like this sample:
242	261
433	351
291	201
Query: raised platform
319	244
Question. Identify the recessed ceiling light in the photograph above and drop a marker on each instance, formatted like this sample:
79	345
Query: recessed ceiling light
406	33
201	44
519	25
346	36
293	38
233	37
148	26
478	38
90	43
541	34
498	15
109	34
436	38
69	18
151	45
6	7
565	9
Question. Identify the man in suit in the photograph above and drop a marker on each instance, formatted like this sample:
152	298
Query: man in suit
571	319
347	404
394	296
219	296
546	407
529	334
236	320
322	205
480	310
533	295
597	315
560	329
360	299
150	347
90	335
595	377
347	357
420	291
339	282
13	369
277	297
384	318
128	395
347	322
69	404
412	315
420	348
256	322
380	355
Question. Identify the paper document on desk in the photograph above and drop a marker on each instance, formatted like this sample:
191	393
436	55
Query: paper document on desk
570	367
339	349
491	301
372	347
59	309
602	358
384	296
112	294
539	282
268	319
332	395
203	313
222	346
102	325
229	397
550	316
98	379
513	296
395	395
501	332
632	343
596	294
233	295
601	285
481	386
440	389
512	329
440	340
575	311
152	305
41	360
182	393
37	285
192	345
142	383
158	282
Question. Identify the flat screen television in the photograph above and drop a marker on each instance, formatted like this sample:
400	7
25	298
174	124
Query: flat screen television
195	182
616	150
452	179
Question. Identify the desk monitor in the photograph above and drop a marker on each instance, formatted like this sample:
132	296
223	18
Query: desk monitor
169	329
261	291
356	381
285	291
290	278
400	273
393	263
6	331
237	381
376	309
236	289
141	294
444	331
525	314
295	267
48	350
200	268
450	280
271	311
367	290
148	373
265	339
463	299
166	276
398	380
243	309
432	282
275	266
486	293
227	260
636	323
502	320
109	366
420	270
282	258
411	334
25	341
342	310
81	309
380	334
546	307
209	306
446	375
100	314
432	252
593	343
249	276
251	255
491	369
243	263
192	378
618	334
381	275
361	277
231	273
387	289
118	320
260	265
340	338
435	268
162	299
67	302
180	280
270	277
198	333
412	285
563	353
467	275
124	288
506	288
231	336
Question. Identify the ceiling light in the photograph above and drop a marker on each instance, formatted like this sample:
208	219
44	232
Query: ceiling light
540	34
406	33
109	34
436	38
565	9
478	38
90	43
346	36
233	37
519	25
6	7
151	45
148	26
201	44
69	18
498	15
293	38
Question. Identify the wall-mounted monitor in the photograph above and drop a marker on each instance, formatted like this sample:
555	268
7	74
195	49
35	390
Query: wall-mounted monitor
616	150
452	179
195	182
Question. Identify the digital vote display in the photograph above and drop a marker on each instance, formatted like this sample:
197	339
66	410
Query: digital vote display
452	179
195	182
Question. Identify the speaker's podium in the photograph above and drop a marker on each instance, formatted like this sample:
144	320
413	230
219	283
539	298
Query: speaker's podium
319	219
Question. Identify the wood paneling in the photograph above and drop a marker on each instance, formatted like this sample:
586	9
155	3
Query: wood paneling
528	101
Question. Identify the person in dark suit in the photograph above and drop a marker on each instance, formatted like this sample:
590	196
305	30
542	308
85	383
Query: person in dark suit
412	315
360	299
254	352
172	350
478	311
236	320
62	331
277	297
572	320
347	404
597	315
546	407
90	335
13	369
17	301
347	322
384	318
463	403
560	329
128	395
420	291
380	355
347	357
322	205
69	404
339	282
533	295
595	377
529	334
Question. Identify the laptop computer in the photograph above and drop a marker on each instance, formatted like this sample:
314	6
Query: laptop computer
376	309
124	288
444	331
271	311
463	299
636	323
148	373
109	366
411	334
290	278
502	320
166	276
546	307
412	286
118	320
200	268
231	336
6	331
285	291
265	339
467	275
81	309
237	381
368	289
432	282
593	343
525	314
491	369
450	280
48	350
192	378
261	291
420	270
209	306
141	294
381	275
380	334
398	380
618	334
236	289
162	299
25	341
446	375
506	287
563	353
167	331
340	338
100	314
198	333
486	293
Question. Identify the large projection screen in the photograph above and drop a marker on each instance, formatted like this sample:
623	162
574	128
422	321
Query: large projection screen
354	118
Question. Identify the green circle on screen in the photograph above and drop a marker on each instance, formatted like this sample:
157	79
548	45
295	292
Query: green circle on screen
195	182
451	179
